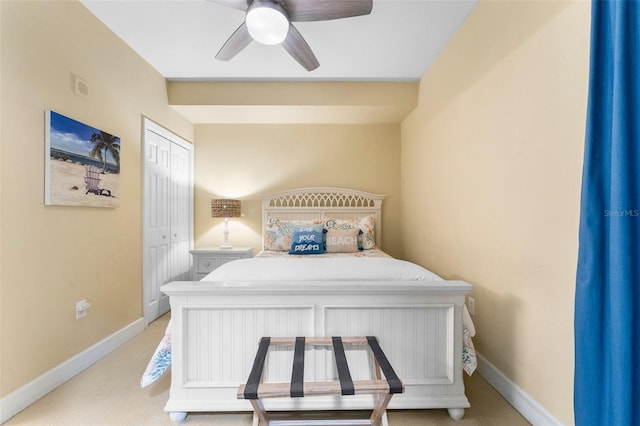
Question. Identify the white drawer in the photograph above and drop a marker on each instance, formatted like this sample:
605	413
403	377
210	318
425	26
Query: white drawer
207	264
206	260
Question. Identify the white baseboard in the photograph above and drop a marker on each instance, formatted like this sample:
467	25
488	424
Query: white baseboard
18	400
521	401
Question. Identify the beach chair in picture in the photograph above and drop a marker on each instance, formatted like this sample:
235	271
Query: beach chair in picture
92	182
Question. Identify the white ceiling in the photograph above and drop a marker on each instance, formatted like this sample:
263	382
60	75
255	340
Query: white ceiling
180	38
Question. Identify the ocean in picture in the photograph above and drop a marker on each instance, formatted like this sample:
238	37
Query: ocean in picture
80	159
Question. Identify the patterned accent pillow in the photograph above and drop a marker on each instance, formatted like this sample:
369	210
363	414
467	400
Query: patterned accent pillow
342	240
277	233
366	224
304	242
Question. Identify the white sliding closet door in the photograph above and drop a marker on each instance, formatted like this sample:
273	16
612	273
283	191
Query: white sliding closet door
168	215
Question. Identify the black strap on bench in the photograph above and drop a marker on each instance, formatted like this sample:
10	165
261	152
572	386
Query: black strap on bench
297	376
251	389
346	384
395	384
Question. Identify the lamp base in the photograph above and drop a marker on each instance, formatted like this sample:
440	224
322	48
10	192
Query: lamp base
226	245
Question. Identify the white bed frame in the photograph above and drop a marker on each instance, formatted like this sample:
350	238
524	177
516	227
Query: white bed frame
216	327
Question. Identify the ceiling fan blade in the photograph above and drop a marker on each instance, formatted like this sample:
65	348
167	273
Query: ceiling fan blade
297	47
236	4
234	44
323	10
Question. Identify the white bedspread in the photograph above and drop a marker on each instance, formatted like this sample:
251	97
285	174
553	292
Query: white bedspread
320	269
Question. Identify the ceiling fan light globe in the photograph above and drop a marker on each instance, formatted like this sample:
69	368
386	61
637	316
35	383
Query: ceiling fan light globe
267	25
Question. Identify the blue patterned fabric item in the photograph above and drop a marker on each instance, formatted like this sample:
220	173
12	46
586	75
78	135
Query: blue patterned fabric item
278	233
160	361
469	360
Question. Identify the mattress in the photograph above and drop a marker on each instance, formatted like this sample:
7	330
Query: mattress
313	268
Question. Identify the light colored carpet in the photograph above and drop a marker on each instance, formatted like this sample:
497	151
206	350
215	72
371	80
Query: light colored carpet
109	393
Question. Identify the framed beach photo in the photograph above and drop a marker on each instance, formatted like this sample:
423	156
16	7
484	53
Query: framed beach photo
82	164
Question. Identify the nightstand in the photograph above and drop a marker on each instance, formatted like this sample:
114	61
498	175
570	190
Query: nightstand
206	260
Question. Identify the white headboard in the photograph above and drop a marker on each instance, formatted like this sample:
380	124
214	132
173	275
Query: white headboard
313	203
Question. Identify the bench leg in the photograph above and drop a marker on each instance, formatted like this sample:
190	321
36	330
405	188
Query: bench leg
379	413
385	421
260	417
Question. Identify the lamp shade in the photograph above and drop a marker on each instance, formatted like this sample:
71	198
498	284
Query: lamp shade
225	207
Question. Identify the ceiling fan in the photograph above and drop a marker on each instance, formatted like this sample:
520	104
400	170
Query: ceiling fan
270	22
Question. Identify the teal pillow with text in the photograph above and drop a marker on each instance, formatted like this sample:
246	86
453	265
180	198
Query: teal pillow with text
306	242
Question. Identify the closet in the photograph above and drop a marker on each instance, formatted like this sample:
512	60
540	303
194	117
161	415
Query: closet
168	215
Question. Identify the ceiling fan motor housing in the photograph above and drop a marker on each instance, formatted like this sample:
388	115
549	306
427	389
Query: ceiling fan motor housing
267	22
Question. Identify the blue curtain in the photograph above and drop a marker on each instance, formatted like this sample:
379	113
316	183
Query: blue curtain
607	304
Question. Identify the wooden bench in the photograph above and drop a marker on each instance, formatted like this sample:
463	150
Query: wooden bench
255	390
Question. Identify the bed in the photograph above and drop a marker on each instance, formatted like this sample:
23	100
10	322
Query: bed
216	323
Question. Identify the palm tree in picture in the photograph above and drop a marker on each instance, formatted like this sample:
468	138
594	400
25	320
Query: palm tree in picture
104	142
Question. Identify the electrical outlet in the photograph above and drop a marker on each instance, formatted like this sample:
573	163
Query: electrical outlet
81	309
471	305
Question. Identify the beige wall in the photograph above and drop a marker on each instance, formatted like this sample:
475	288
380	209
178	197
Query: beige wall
249	161
55	256
491	169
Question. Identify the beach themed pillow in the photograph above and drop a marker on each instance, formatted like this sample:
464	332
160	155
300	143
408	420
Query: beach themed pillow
278	233
307	242
342	240
366	224
367	238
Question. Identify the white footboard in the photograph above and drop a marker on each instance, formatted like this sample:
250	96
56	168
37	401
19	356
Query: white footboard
216	329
